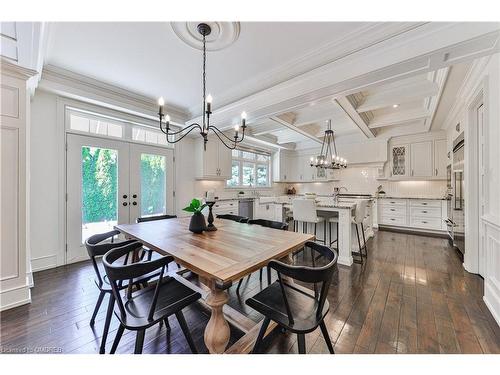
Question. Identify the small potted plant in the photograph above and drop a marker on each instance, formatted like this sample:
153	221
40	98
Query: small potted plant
197	223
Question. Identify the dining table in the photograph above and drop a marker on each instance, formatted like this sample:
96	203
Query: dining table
219	258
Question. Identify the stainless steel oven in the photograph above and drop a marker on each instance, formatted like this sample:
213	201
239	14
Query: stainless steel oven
458	199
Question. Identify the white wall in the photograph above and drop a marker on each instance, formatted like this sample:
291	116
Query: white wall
483	76
45	187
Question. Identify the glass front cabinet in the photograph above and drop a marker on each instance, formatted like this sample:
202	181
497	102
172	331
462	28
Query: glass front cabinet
400	160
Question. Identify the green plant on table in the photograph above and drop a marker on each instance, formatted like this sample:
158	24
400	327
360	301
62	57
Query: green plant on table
195	206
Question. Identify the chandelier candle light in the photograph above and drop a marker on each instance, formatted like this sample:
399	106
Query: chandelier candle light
328	158
205	127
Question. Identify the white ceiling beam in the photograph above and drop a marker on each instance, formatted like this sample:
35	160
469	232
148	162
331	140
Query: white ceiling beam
348	108
413	52
266	128
264	141
290	126
403	94
439	77
399	118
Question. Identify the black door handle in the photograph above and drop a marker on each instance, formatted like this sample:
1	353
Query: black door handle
125	203
134	196
134	203
124	196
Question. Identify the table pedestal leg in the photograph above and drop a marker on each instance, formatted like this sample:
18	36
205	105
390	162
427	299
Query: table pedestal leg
217	331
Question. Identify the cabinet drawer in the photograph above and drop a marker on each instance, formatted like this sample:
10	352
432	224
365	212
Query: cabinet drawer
425	203
393	220
225	211
427	212
394	210
429	223
393	202
226	204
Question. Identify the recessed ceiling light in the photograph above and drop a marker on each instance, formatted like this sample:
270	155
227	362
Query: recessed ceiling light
395	105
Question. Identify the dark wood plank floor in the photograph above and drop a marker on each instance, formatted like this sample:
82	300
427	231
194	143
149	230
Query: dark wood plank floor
411	296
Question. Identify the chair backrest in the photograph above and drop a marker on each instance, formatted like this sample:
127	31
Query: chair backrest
156	217
117	273
304	210
312	275
96	247
360	211
269	224
239	219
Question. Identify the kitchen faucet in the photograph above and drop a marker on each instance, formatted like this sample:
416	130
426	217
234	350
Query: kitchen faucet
336	192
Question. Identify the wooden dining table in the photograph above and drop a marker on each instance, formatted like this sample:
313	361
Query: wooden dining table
219	258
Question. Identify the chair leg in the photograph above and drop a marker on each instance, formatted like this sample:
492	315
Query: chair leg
118	337
301	340
364	240
239	285
326	336
324	232
139	341
109	314
260	337
185	330
260	274
97	307
359	245
167	324
268	275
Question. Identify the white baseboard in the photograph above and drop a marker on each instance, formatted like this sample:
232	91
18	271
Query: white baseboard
492	299
14	297
44	263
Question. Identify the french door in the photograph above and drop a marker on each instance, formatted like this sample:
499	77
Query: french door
112	182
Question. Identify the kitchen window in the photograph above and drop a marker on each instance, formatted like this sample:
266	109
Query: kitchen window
249	169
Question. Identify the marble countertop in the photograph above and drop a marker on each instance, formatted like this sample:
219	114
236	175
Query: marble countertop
418	197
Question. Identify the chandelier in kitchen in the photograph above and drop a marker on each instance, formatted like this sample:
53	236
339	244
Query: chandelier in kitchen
205	127
328	157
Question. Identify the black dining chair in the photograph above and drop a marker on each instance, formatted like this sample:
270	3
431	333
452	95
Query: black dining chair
267	224
293	307
154	218
148	306
238	219
98	245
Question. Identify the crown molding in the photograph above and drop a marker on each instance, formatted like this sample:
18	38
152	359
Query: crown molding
73	85
14	70
429	47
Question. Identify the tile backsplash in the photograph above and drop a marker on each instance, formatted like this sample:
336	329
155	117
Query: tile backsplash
364	180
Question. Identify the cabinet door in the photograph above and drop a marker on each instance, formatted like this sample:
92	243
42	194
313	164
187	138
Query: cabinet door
421	159
225	161
210	158
440	158
400	161
293	173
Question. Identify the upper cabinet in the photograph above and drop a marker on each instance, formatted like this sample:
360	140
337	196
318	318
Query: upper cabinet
421	159
424	159
440	158
292	167
215	162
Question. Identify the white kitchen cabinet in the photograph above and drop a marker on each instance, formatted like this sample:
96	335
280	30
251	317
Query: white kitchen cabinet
400	160
281	164
440	158
421	160
215	162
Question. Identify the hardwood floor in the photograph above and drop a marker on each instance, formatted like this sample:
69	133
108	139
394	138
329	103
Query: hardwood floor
411	296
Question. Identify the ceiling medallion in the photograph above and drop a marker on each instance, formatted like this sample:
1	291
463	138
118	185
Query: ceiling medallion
231	142
222	34
328	157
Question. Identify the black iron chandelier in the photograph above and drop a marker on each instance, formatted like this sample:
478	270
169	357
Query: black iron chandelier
328	157
205	127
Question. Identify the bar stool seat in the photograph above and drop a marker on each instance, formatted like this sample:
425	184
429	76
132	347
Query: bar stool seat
305	212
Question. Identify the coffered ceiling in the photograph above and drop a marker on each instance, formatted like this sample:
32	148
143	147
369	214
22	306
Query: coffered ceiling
372	80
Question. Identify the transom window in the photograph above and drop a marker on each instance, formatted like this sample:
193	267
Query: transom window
250	169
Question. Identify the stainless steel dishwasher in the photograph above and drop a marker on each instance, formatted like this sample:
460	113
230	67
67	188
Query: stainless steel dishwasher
245	207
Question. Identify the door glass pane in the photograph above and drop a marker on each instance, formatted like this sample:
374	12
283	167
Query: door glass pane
153	185
248	174
99	190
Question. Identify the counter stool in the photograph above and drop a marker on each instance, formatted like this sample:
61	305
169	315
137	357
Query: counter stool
304	210
357	220
334	220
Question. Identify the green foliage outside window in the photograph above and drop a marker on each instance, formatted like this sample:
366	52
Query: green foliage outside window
152	184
